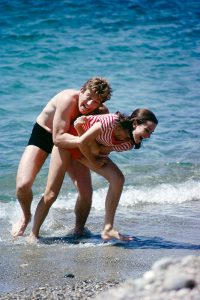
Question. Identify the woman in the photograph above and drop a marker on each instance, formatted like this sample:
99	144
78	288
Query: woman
99	136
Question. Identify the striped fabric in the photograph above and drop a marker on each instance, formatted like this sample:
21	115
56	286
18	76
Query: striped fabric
108	124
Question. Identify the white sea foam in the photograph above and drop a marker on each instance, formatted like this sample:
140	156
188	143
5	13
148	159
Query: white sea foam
131	196
164	193
63	208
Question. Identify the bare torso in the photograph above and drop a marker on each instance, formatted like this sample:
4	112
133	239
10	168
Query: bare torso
69	96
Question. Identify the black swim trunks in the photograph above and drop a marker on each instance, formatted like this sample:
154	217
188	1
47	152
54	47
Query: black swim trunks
41	138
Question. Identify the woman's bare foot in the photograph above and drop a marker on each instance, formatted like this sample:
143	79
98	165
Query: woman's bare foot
19	227
109	234
85	232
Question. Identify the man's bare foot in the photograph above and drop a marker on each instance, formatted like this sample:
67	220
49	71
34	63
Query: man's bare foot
110	234
19	227
32	239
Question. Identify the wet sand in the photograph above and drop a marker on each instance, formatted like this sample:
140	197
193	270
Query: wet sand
59	266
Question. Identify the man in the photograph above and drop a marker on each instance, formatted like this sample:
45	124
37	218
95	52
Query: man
51	128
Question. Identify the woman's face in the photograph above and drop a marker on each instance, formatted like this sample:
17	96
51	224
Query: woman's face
143	131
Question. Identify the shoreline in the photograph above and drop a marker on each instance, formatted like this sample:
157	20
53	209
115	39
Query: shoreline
61	265
77	271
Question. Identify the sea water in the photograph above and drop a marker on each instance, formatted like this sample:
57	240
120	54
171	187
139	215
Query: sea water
149	51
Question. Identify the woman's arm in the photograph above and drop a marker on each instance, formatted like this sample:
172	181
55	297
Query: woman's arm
89	147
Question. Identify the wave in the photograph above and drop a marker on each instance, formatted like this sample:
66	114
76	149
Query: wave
160	194
61	216
163	193
131	197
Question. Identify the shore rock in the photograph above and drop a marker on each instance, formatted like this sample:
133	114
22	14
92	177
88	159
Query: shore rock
169	278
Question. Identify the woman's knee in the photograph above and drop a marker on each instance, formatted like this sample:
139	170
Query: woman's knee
86	193
121	178
50	197
117	179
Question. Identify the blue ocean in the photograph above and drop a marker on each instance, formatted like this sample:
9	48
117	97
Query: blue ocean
149	50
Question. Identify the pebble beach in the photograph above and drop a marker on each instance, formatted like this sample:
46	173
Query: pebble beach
168	278
85	270
70	291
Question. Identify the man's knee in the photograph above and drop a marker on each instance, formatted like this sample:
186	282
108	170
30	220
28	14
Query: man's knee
23	187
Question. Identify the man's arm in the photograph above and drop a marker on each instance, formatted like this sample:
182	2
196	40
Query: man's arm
64	114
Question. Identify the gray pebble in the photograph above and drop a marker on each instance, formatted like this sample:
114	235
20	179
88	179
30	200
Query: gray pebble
69	275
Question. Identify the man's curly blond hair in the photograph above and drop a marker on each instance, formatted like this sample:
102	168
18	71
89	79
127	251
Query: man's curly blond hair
98	86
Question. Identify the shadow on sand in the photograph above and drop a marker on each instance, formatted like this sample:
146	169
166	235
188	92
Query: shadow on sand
140	242
155	242
72	239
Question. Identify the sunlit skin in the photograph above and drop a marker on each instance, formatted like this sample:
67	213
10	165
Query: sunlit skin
143	131
88	102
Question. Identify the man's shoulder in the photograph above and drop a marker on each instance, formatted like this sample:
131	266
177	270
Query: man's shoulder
67	96
68	93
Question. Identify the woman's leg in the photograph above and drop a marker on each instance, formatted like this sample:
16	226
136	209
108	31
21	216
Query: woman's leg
114	176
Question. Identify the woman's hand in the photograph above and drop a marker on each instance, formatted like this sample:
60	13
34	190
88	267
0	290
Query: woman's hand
105	150
80	121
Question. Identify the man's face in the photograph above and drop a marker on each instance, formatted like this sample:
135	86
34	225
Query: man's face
88	102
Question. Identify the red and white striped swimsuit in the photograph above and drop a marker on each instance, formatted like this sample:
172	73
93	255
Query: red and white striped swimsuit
108	124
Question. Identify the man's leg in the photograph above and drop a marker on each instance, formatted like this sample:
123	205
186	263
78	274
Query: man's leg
30	164
81	178
59	163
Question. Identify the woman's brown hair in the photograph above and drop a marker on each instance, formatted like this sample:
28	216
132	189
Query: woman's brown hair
138	116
